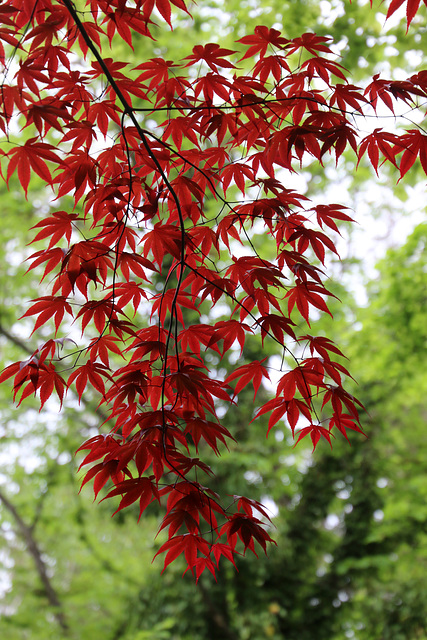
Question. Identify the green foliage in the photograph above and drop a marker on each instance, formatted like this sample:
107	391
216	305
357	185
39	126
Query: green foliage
363	577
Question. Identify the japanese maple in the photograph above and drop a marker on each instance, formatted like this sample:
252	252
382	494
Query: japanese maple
154	241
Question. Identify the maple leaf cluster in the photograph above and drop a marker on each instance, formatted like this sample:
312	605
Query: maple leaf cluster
153	234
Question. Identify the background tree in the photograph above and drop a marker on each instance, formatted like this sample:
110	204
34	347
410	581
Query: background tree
209	603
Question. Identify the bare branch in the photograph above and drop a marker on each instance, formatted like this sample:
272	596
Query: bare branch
26	534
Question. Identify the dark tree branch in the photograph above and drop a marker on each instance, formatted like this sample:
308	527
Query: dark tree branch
217	616
26	534
16	341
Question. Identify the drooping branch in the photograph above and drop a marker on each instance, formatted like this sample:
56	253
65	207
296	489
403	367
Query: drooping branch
30	351
163	401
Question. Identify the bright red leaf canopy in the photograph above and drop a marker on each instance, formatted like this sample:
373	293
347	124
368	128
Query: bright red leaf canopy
154	229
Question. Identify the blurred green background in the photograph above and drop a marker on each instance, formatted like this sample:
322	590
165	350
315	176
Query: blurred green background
350	524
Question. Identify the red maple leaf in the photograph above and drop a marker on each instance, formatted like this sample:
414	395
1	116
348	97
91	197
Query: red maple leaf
173	281
31	156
